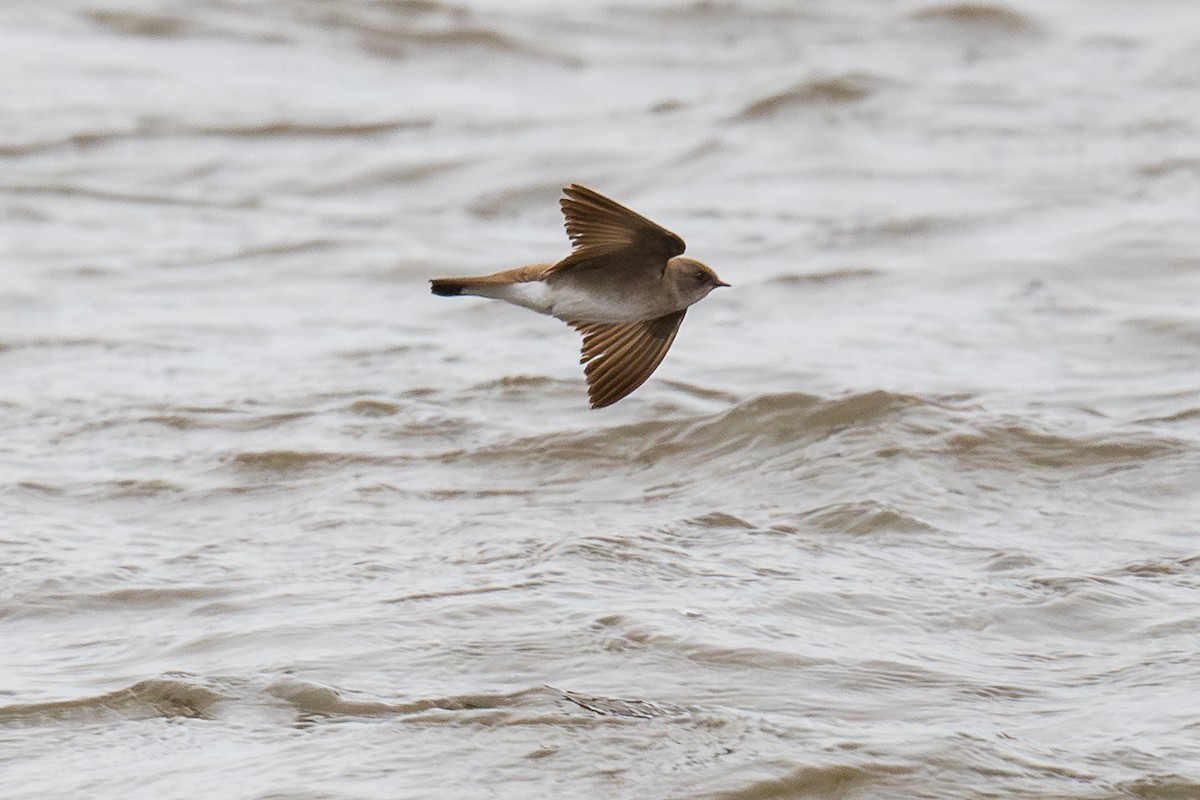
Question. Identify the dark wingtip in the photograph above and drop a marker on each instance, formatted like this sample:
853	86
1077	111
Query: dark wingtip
445	288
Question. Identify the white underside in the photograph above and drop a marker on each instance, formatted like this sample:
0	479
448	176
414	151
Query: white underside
534	295
560	301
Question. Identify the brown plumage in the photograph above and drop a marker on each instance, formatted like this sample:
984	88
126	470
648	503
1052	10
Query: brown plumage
624	286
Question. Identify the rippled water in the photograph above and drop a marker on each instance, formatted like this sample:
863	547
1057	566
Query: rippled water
911	511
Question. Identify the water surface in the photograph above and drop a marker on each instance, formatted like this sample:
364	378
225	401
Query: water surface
910	511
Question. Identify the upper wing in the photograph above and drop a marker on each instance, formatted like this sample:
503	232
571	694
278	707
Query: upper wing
601	227
621	356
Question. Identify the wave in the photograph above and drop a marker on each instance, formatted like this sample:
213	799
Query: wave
296	461
148	598
395	32
72	343
833	90
977	19
134	23
827	780
769	442
1165	786
858	518
222	418
821	459
190	696
151	698
751	427
1017	446
138	487
153	130
831	276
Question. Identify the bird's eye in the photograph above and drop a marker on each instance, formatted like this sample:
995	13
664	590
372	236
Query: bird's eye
698	275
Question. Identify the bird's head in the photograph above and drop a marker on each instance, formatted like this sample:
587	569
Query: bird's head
693	279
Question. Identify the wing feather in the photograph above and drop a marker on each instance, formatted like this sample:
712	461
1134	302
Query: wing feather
621	356
605	233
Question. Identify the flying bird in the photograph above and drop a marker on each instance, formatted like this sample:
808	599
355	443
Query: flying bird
624	286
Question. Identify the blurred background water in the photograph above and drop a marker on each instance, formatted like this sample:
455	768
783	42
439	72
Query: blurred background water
911	511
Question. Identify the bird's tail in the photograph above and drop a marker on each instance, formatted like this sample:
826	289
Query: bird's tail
447	287
521	286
